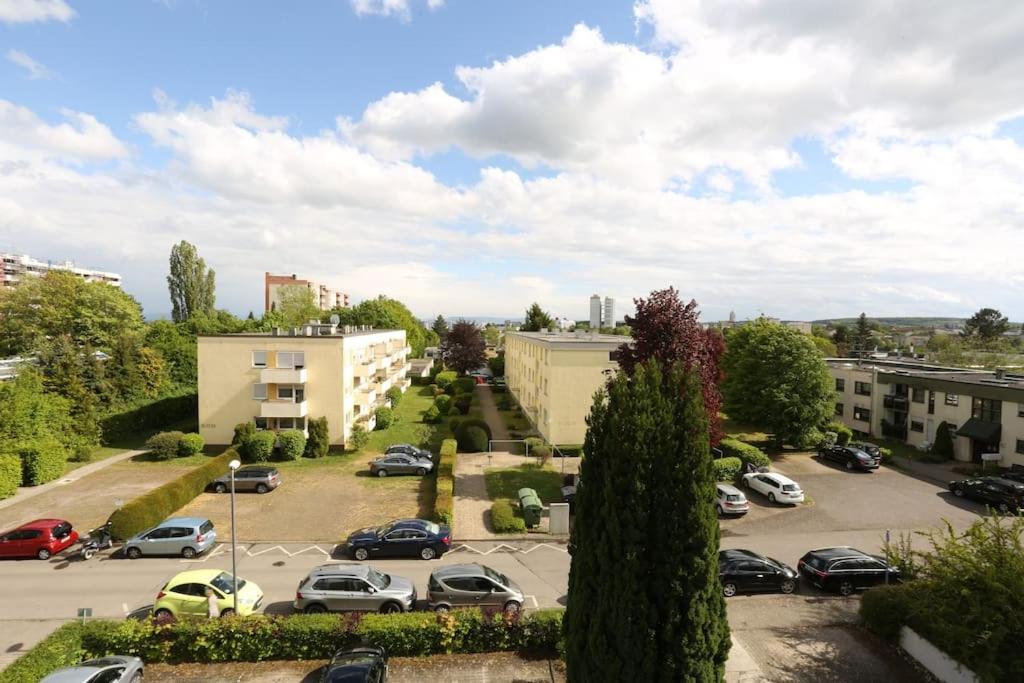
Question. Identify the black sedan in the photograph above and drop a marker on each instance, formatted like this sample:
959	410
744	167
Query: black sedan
850	457
401	538
745	570
366	664
1004	495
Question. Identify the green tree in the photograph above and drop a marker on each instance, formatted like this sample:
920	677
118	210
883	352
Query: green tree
492	335
440	327
385	313
177	346
841	338
135	371
463	349
862	336
645	524
190	282
68	371
987	325
825	345
319	441
775	378
60	303
943	446
537	319
28	413
298	305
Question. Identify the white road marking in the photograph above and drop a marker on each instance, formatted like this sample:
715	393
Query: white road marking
534	599
527	551
124	606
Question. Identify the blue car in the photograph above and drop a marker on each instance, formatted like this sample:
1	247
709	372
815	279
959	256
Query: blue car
184	536
401	538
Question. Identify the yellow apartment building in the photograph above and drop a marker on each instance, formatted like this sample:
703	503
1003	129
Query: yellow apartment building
553	376
284	378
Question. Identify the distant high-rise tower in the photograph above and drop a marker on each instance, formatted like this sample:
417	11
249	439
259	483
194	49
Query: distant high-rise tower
609	312
595	312
732	316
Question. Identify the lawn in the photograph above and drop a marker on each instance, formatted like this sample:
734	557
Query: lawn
132	442
505	483
409	426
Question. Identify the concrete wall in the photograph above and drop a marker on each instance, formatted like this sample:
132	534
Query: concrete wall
937	662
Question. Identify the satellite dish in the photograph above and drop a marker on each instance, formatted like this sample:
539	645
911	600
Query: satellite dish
335	319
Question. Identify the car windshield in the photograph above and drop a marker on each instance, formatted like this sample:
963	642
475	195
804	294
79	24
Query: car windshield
495	576
222	582
432	528
385	528
61	530
377	579
815	561
732	497
773	562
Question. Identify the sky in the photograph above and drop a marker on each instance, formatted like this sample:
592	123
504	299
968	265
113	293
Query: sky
791	158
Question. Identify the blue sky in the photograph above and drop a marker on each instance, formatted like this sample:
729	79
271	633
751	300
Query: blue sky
769	159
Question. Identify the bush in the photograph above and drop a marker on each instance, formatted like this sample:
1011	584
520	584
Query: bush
727	469
42	460
744	451
258	447
454	412
444	505
476	440
434	389
359	437
942	449
443	403
463	402
886	454
432	415
504	520
243	430
394	395
61	648
445	378
292	443
164	446
504	402
151	508
385	417
319	440
884	610
843	433
463	385
460	428
151	415
190	444
10	474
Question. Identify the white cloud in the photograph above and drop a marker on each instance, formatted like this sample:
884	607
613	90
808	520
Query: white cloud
34	70
399	9
81	137
24	11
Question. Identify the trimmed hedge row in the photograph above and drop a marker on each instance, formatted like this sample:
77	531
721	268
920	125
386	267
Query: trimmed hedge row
744	451
468	440
151	508
42	460
727	469
504	520
149	416
61	648
10	474
444	505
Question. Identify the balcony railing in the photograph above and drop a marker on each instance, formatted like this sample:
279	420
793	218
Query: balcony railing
894	402
282	376
283	409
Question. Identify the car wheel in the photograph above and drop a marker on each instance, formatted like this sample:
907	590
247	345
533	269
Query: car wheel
421	472
959	493
382	473
427	553
728	589
220	487
771	498
43	554
261	488
390	608
227	613
315	609
846	588
721	512
360	554
137	678
512	607
849	465
443	609
188	553
133	553
787	586
163	614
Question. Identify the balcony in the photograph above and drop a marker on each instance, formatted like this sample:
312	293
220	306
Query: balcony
283	408
894	402
369	390
282	376
365	368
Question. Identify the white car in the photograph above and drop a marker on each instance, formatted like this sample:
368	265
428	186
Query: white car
730	500
779	488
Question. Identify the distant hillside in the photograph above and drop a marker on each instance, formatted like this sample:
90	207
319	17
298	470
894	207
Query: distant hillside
898	322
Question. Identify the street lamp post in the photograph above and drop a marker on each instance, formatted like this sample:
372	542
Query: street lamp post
233	465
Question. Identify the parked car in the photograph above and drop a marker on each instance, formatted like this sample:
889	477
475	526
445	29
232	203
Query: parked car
472	585
745	570
729	500
42	538
409	449
1014	475
778	487
569	496
186	594
869	448
258	478
363	664
850	457
185	536
401	538
110	669
401	463
1002	494
353	588
845	569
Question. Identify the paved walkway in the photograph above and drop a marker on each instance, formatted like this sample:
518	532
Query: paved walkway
491	415
26	492
936	473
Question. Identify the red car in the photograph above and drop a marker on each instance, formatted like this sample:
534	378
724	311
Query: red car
42	538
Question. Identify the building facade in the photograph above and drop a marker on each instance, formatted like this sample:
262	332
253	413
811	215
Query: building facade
17	266
326	297
609	312
283	379
595	312
554	376
907	401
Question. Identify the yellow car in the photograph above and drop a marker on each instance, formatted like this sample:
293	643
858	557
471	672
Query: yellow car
185	594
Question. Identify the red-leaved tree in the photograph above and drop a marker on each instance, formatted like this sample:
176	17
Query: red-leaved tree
463	349
666	329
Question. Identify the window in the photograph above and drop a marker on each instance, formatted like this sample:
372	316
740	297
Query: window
291	359
862	388
261	422
285	392
1020	446
861	414
839	409
917	395
1020	410
259	392
931	402
987	409
840	384
952	400
613	356
462	584
291	423
916	426
259	359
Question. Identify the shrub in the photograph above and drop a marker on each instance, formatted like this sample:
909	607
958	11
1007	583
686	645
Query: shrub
463	385
843	433
445	378
151	508
884	609
504	520
434	388
242	431
81	452
432	415
943	446
443	403
292	443
385	417
42	460
727	469
394	395
454	412
886	454
319	440
462	426
61	648
744	451
10	474
475	440
463	402
150	415
438	392
258	447
164	446
445	483
359	437
504	402
190	444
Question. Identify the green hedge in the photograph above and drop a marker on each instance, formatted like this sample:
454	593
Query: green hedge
727	469
149	416
443	403
463	385
463	402
843	433
884	610
461	427
258	447
744	451
164	446
10	474
152	508
42	460
292	442
61	648
504	520
190	444
444	505
445	378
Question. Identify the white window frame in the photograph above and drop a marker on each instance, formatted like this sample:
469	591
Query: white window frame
255	392
256	364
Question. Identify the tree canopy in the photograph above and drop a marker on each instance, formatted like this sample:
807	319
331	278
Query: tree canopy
440	327
463	349
537	319
987	325
298	305
385	313
862	336
190	282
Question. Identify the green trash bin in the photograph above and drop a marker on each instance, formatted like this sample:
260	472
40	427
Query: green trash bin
529	503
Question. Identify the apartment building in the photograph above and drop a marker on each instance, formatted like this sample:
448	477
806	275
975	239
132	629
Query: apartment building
17	266
907	401
554	375
326	297
284	378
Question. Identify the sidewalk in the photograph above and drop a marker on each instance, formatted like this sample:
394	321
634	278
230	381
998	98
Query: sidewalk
936	473
26	492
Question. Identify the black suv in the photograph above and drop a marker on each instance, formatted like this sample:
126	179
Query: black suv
845	569
745	570
1002	494
852	458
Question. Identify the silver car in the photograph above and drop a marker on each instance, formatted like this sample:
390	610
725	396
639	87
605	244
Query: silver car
472	585
401	463
353	588
185	536
114	669
259	478
409	449
729	500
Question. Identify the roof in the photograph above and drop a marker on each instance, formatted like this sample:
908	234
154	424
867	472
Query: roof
738	554
459	570
728	488
42	524
183	521
204	575
342	568
841	551
571	340
982	383
986	432
287	334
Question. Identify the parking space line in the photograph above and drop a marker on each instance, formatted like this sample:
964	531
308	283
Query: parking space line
509	548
